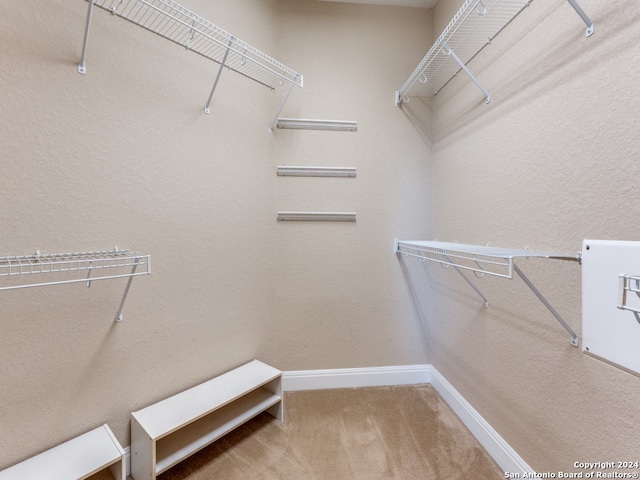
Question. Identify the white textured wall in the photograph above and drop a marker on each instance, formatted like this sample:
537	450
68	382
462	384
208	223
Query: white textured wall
125	156
552	160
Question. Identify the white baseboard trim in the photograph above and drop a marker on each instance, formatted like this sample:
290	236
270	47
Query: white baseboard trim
355	377
506	458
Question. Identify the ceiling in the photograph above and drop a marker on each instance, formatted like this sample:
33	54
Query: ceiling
397	3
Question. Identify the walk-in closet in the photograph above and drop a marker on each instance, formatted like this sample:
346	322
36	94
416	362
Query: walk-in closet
300	239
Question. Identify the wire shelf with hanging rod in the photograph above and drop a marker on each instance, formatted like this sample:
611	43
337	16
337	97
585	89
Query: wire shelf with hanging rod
179	25
477	258
65	268
471	29
483	260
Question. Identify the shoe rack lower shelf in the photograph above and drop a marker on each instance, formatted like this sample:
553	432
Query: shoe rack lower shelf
171	430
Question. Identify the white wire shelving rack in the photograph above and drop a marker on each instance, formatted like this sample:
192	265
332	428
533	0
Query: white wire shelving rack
67	266
482	260
472	28
179	25
628	284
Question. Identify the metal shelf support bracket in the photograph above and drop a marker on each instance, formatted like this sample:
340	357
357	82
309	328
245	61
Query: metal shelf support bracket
584	16
453	55
119	315
574	337
277	115
82	66
471	284
215	83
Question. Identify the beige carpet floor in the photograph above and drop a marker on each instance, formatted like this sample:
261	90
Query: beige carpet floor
379	433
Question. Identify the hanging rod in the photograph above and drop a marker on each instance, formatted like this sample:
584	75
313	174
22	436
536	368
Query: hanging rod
110	264
483	260
179	25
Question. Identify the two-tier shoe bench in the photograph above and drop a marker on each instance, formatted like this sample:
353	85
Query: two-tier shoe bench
167	432
93	453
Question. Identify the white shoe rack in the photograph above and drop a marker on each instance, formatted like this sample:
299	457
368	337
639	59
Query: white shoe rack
167	432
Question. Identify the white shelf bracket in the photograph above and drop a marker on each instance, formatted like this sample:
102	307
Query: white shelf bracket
574	337
89	274
397	98
82	66
215	83
119	316
453	55
584	16
277	115
471	284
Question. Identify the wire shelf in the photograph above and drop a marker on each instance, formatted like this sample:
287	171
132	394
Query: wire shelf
115	261
471	29
479	259
176	23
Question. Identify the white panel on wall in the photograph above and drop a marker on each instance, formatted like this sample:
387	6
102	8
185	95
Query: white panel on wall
610	303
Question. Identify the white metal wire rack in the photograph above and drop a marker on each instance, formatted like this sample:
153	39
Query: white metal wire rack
109	264
483	260
628	284
179	25
479	259
471	29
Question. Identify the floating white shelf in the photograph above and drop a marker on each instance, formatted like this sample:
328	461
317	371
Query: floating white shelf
483	260
472	28
317	216
65	266
77	459
179	25
316	124
293	171
169	431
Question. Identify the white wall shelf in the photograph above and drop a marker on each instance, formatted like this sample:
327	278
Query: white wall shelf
482	260
94	452
179	25
169	431
300	171
316	216
472	28
108	265
317	124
